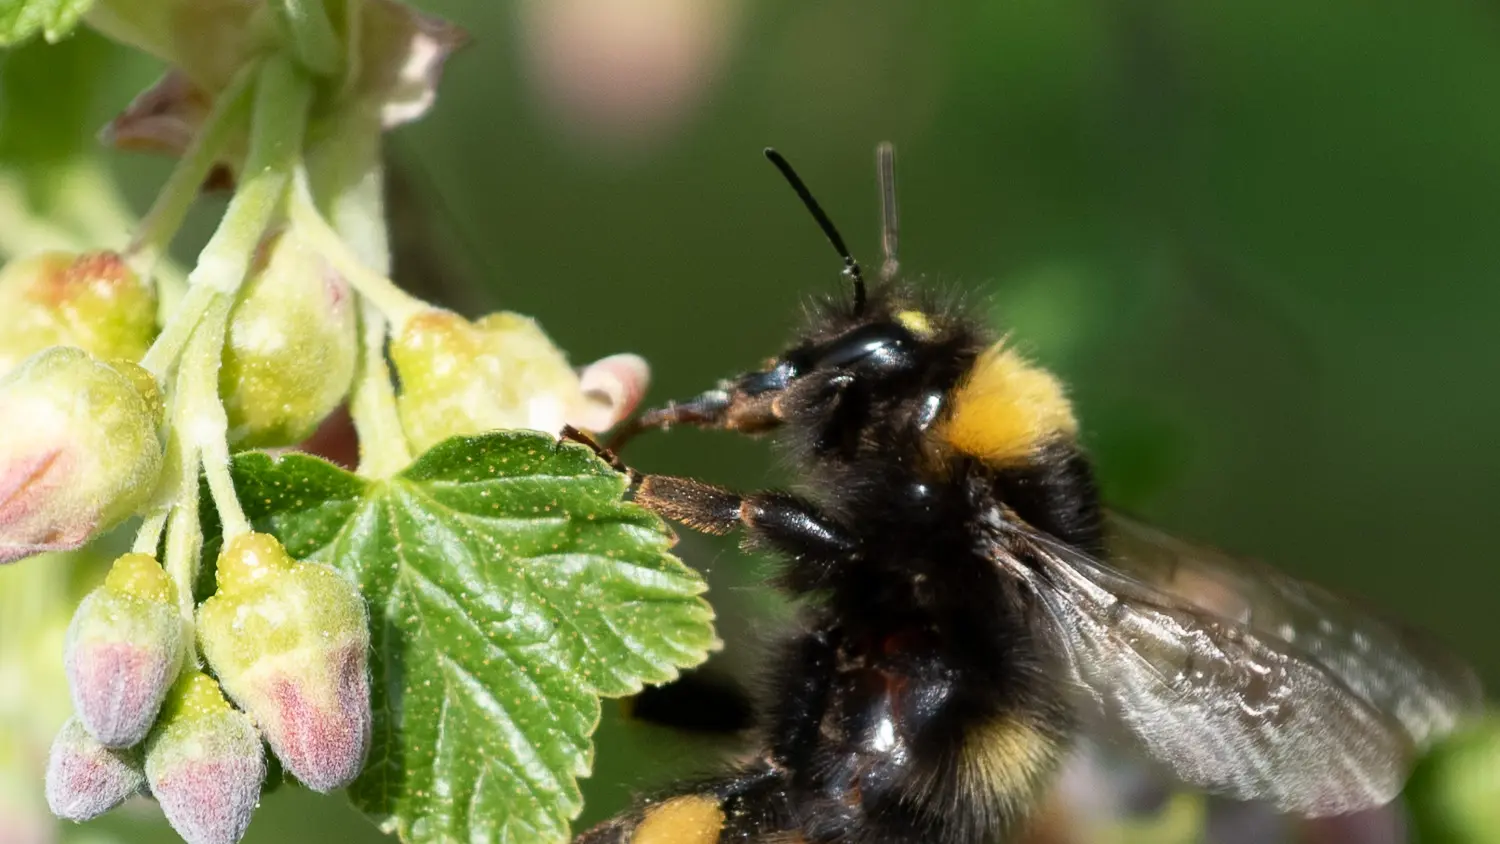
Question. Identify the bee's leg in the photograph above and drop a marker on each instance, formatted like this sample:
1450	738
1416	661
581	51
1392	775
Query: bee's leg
750	803
779	520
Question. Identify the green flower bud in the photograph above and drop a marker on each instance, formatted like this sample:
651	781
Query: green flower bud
290	641
80	452
292	346
92	301
124	649
205	763
460	378
85	779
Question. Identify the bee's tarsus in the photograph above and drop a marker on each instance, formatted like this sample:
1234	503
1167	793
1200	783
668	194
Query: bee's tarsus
708	410
603	452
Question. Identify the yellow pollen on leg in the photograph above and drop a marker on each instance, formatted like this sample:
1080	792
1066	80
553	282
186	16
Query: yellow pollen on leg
692	819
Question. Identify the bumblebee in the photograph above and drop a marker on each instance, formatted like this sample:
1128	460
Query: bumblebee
968	605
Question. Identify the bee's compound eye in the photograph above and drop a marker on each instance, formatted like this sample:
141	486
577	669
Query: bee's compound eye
773	379
882	344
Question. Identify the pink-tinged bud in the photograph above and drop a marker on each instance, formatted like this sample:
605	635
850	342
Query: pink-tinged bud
124	649
205	763
612	387
291	350
85	779
92	301
80	452
290	641
460	378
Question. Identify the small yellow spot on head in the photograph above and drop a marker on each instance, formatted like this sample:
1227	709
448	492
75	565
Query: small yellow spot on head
916	322
1007	410
691	819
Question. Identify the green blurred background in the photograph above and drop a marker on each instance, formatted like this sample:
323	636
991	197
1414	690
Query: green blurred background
1258	238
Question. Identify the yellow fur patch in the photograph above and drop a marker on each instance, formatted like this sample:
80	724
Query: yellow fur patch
916	322
1007	410
693	819
1008	759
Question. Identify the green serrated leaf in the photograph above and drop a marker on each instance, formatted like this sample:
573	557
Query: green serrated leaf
509	587
22	19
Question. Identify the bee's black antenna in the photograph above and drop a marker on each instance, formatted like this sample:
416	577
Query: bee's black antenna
851	266
890	223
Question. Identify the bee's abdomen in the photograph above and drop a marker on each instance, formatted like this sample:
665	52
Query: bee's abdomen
913	745
880	736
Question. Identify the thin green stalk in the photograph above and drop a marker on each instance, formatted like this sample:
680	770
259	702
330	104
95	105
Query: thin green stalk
184	552
148	538
278	126
312	35
354	34
203	414
396	304
358	245
313	38
383	450
154	234
347	180
168	346
184	532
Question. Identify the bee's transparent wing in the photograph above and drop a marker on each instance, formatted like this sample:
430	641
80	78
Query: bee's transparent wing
1398	670
1232	708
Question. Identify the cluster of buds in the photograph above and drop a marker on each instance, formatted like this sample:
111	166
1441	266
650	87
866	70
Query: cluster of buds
288	642
176	704
123	651
82	447
117	408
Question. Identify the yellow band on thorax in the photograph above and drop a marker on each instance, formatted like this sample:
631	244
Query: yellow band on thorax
1007	410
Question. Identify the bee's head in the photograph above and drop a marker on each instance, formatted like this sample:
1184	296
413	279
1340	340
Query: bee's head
868	355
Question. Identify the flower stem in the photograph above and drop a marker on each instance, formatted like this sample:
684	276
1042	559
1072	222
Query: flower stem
277	127
161	223
351	185
184	532
148	538
203	413
383	450
313	38
395	304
